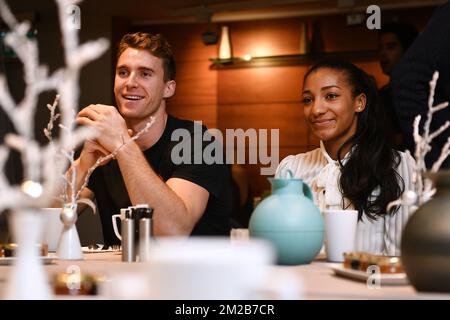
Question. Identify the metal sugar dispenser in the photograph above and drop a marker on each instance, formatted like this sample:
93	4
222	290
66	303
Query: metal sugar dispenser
127	232
137	233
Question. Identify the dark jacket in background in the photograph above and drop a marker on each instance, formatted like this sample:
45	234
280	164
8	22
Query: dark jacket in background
411	77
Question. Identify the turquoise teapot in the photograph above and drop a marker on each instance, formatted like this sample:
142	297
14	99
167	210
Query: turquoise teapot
289	220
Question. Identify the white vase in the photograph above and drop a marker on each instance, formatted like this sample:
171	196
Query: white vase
28	279
69	246
225	44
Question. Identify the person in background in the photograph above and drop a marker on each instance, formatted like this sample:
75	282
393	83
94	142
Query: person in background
394	39
355	167
410	82
187	198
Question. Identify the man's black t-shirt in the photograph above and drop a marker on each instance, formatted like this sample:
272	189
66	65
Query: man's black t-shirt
111	195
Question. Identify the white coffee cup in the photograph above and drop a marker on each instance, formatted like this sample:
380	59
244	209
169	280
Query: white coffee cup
120	216
340	232
53	227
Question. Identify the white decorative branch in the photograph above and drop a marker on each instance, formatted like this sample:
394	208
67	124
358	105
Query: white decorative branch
444	154
76	57
423	143
35	75
423	187
69	178
43	165
53	117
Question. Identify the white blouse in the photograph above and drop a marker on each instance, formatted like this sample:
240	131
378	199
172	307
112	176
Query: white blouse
321	173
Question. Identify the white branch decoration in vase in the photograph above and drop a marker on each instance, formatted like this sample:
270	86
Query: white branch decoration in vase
42	164
423	189
69	245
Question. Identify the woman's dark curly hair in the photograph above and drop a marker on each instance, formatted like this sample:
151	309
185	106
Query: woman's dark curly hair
372	163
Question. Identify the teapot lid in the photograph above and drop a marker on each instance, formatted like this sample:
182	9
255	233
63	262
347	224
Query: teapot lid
286	174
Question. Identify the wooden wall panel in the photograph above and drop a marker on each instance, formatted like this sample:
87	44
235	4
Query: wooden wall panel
260	85
186	40
337	36
196	84
287	117
373	68
266	37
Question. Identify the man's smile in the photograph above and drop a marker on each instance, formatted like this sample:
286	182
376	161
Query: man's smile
132	97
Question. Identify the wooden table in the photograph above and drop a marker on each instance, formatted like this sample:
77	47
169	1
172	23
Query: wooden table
313	281
320	282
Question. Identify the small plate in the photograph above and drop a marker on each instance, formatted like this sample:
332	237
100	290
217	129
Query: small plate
6	261
393	279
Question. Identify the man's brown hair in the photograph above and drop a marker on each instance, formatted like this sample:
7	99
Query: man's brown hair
156	45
